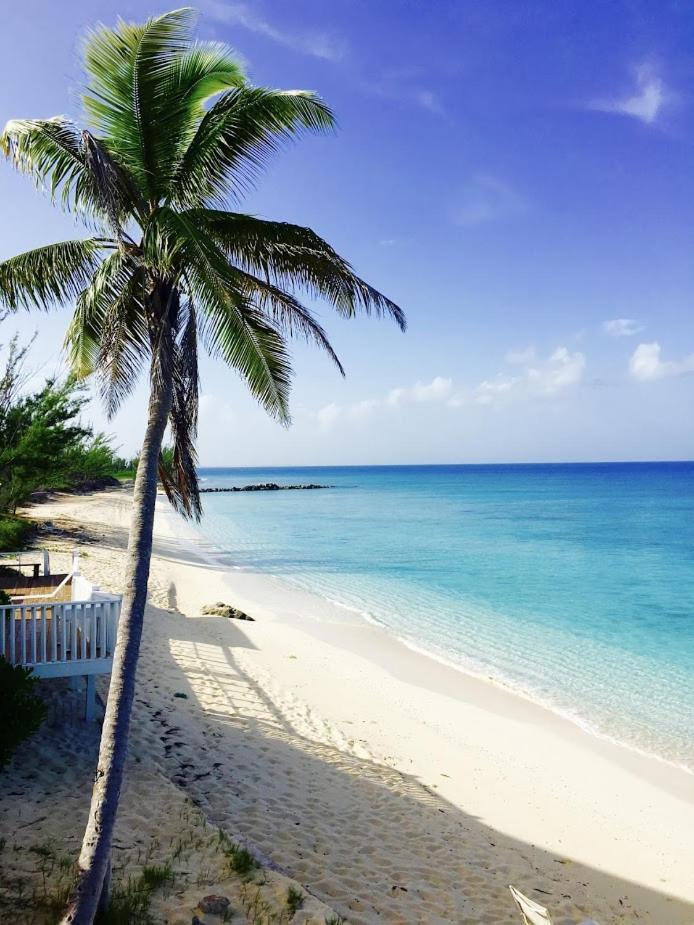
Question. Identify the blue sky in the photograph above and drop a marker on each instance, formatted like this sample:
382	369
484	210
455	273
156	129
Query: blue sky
518	176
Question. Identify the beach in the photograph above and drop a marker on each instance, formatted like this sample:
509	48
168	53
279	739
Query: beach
394	788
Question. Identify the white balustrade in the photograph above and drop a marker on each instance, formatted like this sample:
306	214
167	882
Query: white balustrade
60	638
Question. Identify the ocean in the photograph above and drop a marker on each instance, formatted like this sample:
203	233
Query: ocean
571	584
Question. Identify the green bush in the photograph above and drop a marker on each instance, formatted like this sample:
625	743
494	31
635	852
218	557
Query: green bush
21	708
14	533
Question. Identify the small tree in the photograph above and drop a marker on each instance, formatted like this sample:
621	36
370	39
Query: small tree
39	435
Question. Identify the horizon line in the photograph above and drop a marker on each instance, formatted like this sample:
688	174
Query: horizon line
597	462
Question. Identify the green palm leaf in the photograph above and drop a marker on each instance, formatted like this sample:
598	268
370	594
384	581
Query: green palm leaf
108	335
295	257
233	328
50	275
128	90
237	136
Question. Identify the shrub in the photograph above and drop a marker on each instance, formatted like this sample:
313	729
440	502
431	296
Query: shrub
14	533
22	709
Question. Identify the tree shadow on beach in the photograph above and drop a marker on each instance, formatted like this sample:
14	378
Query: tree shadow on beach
373	842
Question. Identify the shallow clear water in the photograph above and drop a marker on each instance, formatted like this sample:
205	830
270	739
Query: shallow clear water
572	583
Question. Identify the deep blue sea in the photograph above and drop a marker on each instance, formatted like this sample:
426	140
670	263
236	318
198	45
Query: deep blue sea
573	584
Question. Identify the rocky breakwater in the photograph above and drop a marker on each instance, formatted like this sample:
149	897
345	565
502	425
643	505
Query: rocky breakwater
266	486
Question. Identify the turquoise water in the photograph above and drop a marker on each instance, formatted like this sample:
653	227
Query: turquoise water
571	583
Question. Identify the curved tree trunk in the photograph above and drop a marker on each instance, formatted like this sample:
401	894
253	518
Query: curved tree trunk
95	857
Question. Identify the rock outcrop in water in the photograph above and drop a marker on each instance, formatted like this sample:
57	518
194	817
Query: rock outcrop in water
266	486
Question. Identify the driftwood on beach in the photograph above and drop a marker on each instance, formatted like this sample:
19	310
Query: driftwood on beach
266	486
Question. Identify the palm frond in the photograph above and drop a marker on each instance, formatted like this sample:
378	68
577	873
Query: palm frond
288	315
49	275
237	136
233	328
294	257
72	165
201	72
127	95
180	480
108	334
110	187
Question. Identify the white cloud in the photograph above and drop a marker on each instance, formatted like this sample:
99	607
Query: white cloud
647	99
541	379
486	199
622	327
561	370
490	389
521	357
315	42
436	390
645	364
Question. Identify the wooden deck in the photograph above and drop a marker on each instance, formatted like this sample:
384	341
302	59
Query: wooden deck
27	587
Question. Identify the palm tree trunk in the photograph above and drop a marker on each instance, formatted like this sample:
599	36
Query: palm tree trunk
94	861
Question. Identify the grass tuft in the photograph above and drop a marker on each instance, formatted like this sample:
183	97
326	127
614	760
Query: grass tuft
155	875
130	901
241	861
295	900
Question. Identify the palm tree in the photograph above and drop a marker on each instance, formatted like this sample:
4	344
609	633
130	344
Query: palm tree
175	136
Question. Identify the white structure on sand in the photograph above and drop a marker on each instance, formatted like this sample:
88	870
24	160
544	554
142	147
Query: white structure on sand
58	625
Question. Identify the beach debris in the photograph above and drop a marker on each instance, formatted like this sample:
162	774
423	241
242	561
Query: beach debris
533	913
214	904
181	694
220	609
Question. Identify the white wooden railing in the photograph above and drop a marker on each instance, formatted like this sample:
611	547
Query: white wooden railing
36	558
60	639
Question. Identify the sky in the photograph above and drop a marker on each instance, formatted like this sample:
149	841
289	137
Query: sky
516	175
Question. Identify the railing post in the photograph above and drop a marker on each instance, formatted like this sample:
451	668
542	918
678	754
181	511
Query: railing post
76	562
90	698
46	562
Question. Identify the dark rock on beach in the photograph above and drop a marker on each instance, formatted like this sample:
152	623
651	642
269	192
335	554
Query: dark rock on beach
213	905
220	609
266	486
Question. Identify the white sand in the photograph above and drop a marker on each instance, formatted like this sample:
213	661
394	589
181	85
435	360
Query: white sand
396	789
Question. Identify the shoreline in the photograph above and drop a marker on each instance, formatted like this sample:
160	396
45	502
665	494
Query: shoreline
409	775
626	753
